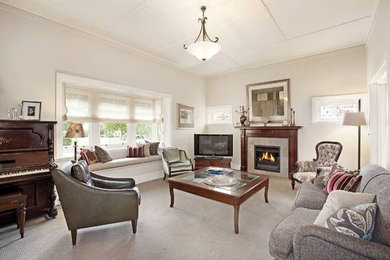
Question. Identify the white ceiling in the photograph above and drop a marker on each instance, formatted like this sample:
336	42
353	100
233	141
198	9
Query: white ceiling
251	32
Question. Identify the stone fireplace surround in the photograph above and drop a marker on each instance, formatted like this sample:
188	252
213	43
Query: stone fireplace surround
281	142
287	133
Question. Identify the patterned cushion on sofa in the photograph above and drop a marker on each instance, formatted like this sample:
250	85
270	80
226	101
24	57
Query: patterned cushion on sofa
340	179
102	154
357	221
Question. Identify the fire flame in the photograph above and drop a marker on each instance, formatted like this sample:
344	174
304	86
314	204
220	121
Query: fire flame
268	157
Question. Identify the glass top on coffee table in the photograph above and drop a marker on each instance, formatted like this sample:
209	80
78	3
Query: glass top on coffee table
234	179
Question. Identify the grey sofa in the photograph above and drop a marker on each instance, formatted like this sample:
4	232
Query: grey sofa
296	237
90	200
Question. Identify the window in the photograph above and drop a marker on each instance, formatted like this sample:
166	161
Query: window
113	133
219	115
112	115
331	109
143	131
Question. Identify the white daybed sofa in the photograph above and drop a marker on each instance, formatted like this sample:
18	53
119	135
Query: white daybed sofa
141	169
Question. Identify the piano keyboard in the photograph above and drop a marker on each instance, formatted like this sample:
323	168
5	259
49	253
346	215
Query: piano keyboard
21	173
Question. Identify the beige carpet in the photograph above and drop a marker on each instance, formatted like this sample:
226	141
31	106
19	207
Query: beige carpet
196	228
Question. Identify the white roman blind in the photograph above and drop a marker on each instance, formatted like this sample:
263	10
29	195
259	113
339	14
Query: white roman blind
94	105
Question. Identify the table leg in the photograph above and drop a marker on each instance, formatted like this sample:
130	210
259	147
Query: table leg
236	217
266	191
172	195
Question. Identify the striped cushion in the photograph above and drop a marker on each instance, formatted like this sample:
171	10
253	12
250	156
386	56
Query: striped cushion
136	151
342	181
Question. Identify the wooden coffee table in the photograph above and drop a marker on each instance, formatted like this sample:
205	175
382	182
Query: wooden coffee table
248	185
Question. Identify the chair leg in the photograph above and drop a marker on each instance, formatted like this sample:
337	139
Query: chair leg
165	175
74	236
293	183
134	225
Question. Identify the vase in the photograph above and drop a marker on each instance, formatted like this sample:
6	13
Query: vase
242	120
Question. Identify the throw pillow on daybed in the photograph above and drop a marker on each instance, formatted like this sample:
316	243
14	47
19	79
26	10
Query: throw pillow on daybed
357	221
102	154
89	156
138	151
341	199
153	147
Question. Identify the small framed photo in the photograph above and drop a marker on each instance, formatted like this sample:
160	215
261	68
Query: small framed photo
185	116
31	110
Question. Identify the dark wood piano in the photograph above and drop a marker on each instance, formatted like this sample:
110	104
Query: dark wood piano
26	158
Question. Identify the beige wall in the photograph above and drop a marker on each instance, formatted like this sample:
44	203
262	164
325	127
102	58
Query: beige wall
341	72
33	49
378	46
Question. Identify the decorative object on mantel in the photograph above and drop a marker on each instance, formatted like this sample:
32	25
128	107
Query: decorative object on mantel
205	48
356	119
12	112
31	110
269	99
185	116
75	130
265	120
292	119
243	114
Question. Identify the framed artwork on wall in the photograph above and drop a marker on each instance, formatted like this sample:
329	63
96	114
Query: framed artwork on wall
269	101
185	116
31	110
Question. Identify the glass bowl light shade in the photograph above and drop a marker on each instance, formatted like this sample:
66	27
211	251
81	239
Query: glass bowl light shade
204	50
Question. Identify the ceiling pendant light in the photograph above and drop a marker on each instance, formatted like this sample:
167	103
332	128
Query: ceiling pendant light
204	48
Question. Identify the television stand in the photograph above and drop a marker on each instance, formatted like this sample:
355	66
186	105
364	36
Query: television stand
203	162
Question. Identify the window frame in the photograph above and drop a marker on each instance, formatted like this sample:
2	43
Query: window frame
345	99
212	110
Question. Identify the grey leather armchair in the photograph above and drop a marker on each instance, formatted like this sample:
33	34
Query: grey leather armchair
175	162
91	200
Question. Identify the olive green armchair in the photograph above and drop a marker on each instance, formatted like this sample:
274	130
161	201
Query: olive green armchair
175	162
90	200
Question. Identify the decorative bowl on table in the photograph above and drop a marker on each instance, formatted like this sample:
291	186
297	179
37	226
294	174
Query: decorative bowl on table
220	180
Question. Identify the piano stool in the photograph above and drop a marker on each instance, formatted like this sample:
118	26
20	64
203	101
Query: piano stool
14	199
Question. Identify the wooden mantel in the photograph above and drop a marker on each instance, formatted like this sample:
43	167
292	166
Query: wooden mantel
290	132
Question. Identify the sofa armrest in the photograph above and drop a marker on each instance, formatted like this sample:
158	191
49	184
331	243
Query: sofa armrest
112	183
315	242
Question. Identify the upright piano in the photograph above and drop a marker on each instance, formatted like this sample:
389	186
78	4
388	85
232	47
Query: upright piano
26	158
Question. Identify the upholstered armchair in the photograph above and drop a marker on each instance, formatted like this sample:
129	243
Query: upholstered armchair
91	200
175	162
328	154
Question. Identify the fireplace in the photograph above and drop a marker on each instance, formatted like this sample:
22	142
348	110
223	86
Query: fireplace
267	158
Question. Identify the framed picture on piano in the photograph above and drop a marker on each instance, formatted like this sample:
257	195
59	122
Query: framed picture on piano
31	110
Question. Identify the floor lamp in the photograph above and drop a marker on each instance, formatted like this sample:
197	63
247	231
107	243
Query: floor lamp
356	119
75	130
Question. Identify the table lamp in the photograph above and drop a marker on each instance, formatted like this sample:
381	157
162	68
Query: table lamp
75	130
356	119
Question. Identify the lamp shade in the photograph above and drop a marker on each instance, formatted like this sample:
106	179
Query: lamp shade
354	118
204	50
75	130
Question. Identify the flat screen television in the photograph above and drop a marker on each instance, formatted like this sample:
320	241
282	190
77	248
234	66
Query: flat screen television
213	145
